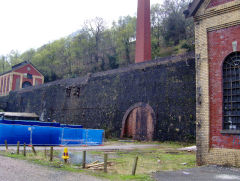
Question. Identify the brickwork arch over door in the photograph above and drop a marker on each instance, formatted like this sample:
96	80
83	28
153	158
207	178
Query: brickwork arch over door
139	123
26	84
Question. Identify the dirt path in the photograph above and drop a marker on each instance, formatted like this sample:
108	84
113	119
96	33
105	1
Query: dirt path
20	170
105	147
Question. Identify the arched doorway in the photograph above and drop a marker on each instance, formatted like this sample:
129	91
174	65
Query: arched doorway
26	84
139	123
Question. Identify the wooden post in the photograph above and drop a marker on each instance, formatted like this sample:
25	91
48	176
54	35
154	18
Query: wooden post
34	151
135	166
51	154
18	144
84	159
6	145
65	161
24	149
105	162
45	152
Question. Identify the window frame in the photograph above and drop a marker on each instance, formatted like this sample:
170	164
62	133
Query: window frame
224	130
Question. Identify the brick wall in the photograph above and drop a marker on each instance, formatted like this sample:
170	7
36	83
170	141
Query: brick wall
208	24
214	3
28	69
220	46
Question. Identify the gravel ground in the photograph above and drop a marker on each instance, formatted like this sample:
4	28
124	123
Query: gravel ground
205	173
20	170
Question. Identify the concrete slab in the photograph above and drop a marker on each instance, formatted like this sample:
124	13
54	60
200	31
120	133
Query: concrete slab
190	148
205	173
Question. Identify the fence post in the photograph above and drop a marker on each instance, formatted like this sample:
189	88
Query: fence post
18	144
84	159
45	152
34	151
24	149
135	166
105	162
6	145
51	154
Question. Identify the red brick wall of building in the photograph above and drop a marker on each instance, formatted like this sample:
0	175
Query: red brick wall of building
8	82
14	81
1	82
214	3
38	81
27	80
219	47
4	84
5	79
24	70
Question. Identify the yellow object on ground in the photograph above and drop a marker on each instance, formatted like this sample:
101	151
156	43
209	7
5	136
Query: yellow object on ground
65	154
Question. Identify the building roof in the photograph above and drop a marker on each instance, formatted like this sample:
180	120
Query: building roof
192	8
19	65
18	114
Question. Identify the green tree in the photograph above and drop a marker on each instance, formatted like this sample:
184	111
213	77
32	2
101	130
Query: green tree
174	23
28	55
124	37
4	65
157	16
96	48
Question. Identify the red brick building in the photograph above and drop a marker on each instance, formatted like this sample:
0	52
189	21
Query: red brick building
217	40
22	75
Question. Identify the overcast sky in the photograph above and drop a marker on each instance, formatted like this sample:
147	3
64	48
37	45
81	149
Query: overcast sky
29	24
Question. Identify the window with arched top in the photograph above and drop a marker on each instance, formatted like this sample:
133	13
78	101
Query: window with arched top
26	84
231	92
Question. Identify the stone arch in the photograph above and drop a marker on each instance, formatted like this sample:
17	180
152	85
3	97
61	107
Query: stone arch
26	84
139	122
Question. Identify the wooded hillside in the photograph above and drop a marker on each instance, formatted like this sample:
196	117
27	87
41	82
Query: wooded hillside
95	47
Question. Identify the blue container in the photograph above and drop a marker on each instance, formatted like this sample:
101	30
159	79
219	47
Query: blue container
71	126
13	134
93	137
71	136
47	134
31	135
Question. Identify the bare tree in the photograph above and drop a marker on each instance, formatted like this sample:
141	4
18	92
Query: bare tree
95	29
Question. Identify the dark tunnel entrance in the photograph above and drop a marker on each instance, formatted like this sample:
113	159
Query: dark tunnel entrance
139	123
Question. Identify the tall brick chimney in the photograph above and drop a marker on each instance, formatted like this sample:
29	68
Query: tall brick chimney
143	36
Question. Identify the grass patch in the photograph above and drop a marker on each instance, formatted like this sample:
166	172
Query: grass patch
163	156
152	161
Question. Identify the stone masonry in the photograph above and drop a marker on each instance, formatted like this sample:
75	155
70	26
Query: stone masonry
103	100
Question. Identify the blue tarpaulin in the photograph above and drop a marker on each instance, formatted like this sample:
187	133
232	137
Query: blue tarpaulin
50	134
